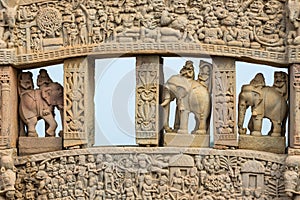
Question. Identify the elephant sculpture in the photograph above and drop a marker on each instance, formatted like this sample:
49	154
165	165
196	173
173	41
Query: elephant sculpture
36	104
265	102
191	96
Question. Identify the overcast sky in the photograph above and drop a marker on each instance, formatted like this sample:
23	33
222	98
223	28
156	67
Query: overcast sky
115	94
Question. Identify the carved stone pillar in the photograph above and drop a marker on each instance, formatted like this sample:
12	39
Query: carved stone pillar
8	108
149	77
294	116
224	101
78	122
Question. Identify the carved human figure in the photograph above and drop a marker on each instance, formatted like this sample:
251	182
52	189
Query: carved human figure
39	104
265	102
148	188
163	190
129	190
7	177
211	33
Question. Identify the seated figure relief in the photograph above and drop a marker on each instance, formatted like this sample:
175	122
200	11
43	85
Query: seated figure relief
191	96
265	102
36	104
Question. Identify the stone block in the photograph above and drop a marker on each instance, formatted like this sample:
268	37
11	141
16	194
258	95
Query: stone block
34	145
186	140
262	143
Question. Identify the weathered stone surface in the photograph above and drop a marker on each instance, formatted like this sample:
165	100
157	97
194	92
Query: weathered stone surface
186	140
263	143
33	145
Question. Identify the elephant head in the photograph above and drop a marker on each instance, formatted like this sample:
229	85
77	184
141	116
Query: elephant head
53	94
249	97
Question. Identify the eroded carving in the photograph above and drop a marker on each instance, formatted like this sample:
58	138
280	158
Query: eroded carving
39	103
265	102
7	177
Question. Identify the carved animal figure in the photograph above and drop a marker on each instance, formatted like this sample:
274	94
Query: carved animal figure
191	97
294	16
10	14
265	102
39	104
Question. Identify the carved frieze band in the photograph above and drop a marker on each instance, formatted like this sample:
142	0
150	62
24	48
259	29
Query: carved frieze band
116	173
39	27
224	100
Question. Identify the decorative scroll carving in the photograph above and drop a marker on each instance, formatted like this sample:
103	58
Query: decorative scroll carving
265	102
78	97
39	103
224	101
148	75
191	96
8	108
294	116
166	175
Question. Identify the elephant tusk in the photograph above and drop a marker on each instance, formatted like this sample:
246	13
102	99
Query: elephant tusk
165	103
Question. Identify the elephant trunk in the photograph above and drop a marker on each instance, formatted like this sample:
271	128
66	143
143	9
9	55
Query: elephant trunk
241	117
166	109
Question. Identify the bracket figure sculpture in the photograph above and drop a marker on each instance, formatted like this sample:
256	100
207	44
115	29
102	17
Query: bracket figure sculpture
191	96
36	104
265	102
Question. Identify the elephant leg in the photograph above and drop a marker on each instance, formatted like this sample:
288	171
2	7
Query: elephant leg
200	127
255	125
276	129
184	119
177	119
49	119
31	124
166	110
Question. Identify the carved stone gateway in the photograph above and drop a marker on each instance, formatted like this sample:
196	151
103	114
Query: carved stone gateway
216	161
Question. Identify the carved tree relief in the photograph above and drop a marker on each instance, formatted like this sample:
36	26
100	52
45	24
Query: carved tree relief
224	101
78	96
148	76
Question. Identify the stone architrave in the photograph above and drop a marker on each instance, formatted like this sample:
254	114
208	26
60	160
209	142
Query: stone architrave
224	101
149	77
8	108
294	115
78	102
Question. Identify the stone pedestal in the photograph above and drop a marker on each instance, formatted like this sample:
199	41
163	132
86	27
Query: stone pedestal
33	145
186	140
149	78
262	143
79	102
224	101
8	108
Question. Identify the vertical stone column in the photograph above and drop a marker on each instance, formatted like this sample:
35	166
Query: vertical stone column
224	101
79	86
294	117
9	108
149	77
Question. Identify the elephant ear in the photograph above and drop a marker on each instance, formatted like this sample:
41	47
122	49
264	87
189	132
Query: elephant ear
46	94
181	91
